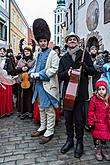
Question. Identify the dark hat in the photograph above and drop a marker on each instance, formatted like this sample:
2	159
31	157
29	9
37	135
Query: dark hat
41	30
9	51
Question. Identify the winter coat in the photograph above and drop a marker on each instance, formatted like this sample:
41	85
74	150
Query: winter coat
22	63
8	66
51	69
66	62
99	118
24	95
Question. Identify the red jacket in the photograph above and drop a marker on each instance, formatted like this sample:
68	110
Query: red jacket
99	118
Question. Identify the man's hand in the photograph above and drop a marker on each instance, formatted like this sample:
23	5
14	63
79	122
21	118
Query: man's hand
69	71
34	75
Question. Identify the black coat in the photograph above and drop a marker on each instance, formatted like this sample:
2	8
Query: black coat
66	62
8	66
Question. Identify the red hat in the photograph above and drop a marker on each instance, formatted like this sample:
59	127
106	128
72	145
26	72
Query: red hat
101	83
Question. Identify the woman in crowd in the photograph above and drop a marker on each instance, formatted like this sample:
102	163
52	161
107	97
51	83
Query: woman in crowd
25	87
6	70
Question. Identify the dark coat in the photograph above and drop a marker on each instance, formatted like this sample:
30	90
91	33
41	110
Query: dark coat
8	66
66	62
99	118
24	95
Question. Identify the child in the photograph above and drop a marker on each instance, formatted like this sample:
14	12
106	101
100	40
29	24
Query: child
99	119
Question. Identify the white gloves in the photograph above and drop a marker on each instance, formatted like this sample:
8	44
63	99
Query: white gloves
34	75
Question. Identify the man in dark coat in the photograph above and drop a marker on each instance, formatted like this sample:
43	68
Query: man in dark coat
72	60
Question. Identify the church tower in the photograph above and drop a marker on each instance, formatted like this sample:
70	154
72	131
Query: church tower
59	19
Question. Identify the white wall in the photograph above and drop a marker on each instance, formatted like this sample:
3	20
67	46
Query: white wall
103	29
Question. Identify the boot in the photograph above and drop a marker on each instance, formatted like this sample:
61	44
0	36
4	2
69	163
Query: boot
78	150
98	154
50	113
48	135
105	152
66	147
43	120
44	139
42	127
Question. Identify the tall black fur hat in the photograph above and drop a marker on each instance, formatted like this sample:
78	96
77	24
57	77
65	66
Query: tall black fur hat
41	30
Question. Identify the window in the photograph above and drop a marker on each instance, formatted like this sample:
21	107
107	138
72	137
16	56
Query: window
57	40
67	20
70	13
13	16
20	25
14	43
58	19
54	29
55	18
58	29
61	17
18	41
107	11
18	21
81	2
3	30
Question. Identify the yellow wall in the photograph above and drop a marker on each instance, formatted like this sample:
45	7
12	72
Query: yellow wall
15	28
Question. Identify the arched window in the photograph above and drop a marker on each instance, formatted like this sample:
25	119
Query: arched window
58	40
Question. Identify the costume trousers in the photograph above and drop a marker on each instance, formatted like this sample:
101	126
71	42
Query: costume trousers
75	119
47	120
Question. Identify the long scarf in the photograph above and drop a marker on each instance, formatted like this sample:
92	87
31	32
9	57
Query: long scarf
73	51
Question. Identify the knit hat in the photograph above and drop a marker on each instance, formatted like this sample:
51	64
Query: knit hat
41	30
72	35
101	83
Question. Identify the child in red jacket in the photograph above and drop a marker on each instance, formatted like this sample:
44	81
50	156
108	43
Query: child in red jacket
99	119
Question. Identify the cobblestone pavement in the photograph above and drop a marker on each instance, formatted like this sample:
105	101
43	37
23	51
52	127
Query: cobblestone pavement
17	147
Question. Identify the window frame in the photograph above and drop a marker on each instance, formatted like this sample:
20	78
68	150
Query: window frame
81	3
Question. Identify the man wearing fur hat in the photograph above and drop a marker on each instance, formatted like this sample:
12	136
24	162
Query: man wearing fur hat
72	60
46	82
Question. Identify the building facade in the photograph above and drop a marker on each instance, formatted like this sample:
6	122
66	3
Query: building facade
93	26
70	15
59	23
18	27
4	23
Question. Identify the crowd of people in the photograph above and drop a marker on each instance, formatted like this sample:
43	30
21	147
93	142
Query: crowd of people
39	85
